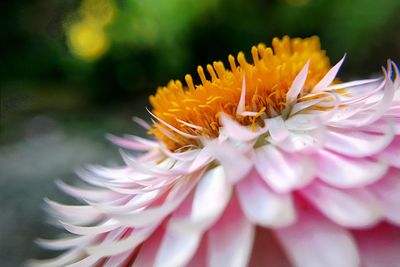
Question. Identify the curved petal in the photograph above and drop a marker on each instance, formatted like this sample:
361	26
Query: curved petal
277	129
329	77
235	131
177	247
148	251
282	171
387	190
356	143
347	207
379	246
210	198
200	258
347	172
231	239
262	206
316	242
236	165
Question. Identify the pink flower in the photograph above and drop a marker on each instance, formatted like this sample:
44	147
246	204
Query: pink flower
275	163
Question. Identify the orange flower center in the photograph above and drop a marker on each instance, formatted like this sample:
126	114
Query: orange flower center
195	109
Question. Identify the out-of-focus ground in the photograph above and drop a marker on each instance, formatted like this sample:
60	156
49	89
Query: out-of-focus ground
72	71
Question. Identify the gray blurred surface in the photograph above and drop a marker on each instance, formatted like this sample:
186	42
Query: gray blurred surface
28	168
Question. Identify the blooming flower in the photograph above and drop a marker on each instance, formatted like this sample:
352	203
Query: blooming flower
271	163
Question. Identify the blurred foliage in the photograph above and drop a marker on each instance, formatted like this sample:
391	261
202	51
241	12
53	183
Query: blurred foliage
104	52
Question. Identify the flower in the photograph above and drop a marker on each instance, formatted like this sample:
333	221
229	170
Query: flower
271	163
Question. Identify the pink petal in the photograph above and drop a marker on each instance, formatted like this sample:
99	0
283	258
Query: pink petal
387	190
390	155
118	260
148	251
200	258
347	172
347	207
231	239
262	206
282	171
315	242
380	246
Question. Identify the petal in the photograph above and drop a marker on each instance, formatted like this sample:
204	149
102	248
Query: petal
282	171
277	129
236	131
117	247
387	190
263	206
356	143
148	251
200	258
62	260
347	172
297	84
236	165
210	198
177	247
329	77
315	242
379	246
267	251
347	207
390	155
230	240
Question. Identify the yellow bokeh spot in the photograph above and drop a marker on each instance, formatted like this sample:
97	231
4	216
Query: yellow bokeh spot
87	40
100	11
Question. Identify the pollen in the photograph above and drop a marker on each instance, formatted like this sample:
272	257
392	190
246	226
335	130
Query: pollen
194	110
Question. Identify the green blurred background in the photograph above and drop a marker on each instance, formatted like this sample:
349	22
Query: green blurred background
72	71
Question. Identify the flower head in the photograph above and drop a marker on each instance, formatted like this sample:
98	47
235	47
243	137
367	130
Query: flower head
270	163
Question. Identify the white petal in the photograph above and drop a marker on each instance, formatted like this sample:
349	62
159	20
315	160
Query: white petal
347	207
60	261
263	206
236	165
283	172
297	84
235	131
64	243
129	243
347	172
357	143
210	198
277	129
329	77
315	242
177	247
230	240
